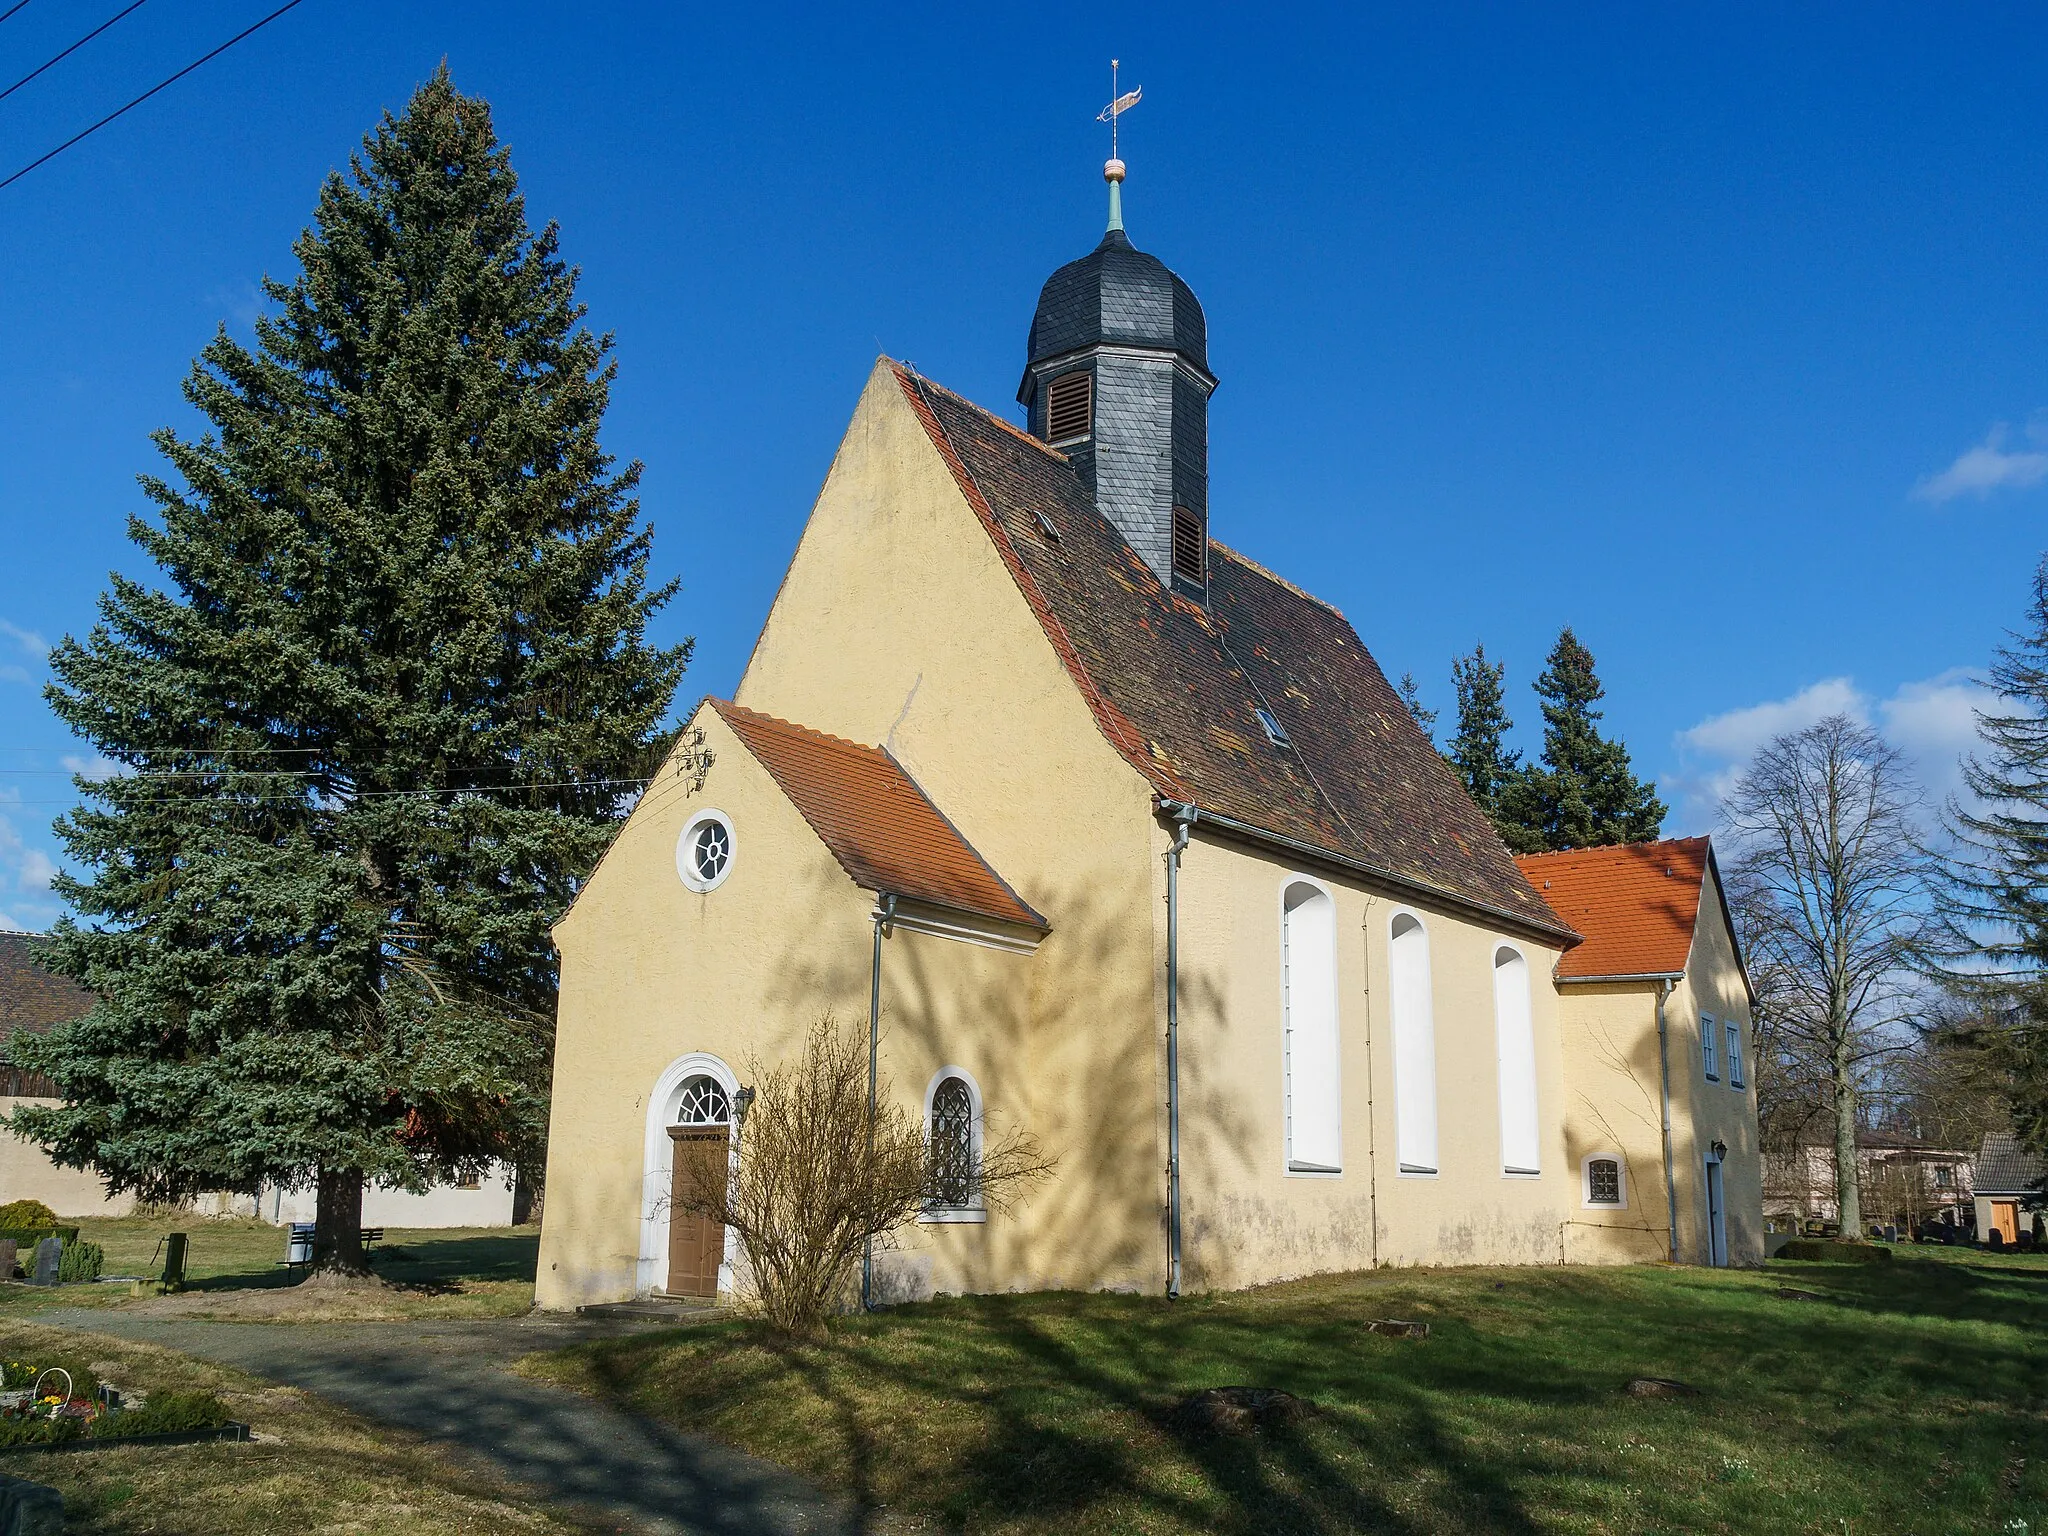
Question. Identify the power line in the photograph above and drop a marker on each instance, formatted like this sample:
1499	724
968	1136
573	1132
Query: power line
139	100
18	4
60	58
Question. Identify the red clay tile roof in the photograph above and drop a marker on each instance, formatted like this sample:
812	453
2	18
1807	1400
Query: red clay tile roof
31	997
884	831
1174	686
1637	904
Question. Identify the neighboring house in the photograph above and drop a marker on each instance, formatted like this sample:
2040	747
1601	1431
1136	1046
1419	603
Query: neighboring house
34	999
1655	1014
2008	1188
1902	1181
1132	839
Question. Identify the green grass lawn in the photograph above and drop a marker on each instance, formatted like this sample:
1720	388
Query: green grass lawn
1912	1397
438	1272
314	1467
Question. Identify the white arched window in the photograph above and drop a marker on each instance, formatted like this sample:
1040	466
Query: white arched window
1521	1149
1414	1044
952	1137
1308	980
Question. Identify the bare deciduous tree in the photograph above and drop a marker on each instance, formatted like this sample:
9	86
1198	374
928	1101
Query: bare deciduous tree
1831	889
815	1178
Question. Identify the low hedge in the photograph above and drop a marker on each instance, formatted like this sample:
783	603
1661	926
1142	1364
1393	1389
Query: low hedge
165	1413
1828	1250
26	1238
81	1261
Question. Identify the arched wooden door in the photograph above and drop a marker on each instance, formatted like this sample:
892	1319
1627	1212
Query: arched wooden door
696	1243
699	1149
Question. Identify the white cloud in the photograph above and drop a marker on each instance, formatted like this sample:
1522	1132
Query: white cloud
10	673
28	871
1988	467
27	639
95	769
1932	722
1739	732
37	870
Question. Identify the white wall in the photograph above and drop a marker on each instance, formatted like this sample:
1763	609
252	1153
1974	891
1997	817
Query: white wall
488	1205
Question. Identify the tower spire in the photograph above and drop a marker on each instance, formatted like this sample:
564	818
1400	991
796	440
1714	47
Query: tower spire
1113	169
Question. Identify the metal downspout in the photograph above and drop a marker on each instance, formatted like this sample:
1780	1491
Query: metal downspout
885	909
1664	1066
1184	816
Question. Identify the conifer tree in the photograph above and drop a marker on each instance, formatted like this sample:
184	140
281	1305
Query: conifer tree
1584	794
1491	772
378	710
1411	700
1991	940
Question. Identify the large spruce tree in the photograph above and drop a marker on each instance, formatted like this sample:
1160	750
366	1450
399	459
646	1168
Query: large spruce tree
377	711
1584	792
1991	941
1491	772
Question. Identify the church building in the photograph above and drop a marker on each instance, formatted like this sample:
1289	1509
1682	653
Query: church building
1139	852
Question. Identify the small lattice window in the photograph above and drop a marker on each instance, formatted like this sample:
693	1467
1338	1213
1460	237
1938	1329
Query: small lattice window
1190	545
1603	1182
703	1103
954	1175
1069	407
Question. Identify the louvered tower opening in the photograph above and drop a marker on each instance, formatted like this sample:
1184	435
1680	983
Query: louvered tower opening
1190	545
1069	407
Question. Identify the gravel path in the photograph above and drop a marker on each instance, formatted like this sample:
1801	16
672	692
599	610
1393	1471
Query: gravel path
450	1382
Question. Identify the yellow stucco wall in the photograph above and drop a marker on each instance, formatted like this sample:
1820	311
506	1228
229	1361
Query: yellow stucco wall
1704	1112
1247	1217
1614	1107
895	624
26	1173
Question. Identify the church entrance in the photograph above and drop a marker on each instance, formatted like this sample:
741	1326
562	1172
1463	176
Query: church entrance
699	1145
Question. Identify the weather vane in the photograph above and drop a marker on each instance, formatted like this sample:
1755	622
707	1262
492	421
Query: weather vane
1113	172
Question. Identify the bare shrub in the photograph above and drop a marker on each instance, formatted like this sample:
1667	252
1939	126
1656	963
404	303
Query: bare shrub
816	1178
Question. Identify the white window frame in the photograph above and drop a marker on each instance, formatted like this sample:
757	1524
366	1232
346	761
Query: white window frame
1506	1025
1415	1085
955	1215
1710	1048
1586	1200
1293	1167
1732	1053
686	866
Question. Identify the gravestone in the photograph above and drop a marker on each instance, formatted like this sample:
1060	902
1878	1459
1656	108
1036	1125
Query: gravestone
30	1509
7	1252
49	1255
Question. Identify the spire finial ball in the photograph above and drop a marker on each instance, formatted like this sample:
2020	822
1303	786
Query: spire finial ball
1113	170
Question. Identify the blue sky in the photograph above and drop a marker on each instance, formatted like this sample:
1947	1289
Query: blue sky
1720	337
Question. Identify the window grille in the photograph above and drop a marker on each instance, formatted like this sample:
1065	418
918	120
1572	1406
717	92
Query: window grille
1069	407
709	851
955	1178
1603	1182
1709	1056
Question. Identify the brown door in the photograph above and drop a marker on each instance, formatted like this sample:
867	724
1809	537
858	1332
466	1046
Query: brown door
2005	1220
696	1244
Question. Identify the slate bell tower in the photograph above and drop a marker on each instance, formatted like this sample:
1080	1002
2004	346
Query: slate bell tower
1119	381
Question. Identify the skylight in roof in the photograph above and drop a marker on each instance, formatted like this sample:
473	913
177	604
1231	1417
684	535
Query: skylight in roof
1275	733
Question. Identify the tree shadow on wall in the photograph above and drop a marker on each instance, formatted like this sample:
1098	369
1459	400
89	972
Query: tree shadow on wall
1066	1044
